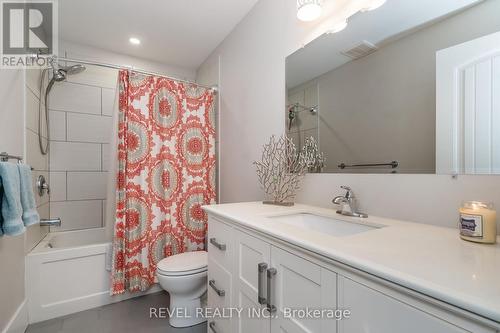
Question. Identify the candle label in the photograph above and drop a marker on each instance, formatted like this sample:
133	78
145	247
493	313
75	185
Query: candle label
471	225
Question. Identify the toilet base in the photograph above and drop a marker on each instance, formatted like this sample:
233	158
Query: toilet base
183	312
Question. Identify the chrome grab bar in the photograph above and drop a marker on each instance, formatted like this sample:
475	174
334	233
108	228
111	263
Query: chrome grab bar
262	276
393	165
219	292
218	245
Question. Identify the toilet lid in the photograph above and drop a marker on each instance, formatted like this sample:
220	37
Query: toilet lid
184	263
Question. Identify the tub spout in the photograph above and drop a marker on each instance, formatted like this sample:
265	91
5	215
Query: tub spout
55	222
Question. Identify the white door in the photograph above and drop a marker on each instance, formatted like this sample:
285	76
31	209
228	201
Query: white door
468	107
251	255
300	285
375	312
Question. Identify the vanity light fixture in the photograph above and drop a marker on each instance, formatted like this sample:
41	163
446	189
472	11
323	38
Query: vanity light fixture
134	41
337	27
373	4
309	10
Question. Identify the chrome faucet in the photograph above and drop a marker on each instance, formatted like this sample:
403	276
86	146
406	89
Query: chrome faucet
348	204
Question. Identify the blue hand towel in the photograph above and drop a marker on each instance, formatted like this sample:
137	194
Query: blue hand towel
30	214
1	198
12	224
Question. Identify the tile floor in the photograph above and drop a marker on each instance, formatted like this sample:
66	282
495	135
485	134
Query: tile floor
128	316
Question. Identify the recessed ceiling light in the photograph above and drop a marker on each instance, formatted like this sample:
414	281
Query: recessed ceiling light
134	41
308	10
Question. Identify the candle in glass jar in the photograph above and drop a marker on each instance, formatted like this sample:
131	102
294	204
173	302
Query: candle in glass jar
478	222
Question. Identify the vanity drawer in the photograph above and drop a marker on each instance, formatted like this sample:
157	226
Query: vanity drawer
219	297
219	286
220	243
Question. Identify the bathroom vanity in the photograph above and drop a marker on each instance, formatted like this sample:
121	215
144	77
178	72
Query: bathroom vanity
391	276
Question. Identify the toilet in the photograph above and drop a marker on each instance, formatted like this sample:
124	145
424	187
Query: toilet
184	277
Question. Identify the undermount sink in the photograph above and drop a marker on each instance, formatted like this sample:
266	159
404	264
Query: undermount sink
323	224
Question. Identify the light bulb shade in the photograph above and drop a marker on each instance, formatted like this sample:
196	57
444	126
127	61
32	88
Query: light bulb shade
374	4
308	10
338	27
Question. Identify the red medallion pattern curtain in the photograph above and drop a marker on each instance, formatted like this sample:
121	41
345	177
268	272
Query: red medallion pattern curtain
166	172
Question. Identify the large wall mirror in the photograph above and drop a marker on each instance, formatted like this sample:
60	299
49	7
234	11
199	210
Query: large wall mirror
412	87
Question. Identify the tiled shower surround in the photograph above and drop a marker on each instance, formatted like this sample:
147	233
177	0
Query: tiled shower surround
80	130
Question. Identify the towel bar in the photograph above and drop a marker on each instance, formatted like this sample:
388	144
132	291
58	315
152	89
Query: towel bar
5	157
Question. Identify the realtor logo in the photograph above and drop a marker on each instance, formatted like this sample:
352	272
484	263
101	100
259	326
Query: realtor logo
28	29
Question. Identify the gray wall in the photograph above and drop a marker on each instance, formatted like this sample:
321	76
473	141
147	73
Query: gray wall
12	141
253	94
382	107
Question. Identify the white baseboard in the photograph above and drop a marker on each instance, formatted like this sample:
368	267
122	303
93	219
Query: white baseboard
19	321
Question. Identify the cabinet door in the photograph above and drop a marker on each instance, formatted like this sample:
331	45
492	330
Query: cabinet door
300	285
375	312
249	253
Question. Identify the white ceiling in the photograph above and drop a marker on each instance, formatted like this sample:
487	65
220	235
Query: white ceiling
392	19
180	33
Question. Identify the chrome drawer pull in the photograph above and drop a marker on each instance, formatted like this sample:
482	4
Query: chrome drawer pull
220	246
271	273
262	276
212	326
219	292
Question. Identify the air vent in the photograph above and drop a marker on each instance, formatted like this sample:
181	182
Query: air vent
361	50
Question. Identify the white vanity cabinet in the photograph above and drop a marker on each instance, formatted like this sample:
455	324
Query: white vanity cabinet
373	311
259	273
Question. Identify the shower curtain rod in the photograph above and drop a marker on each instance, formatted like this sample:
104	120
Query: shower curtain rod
133	69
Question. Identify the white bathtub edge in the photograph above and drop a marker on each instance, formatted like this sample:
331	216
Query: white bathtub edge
78	304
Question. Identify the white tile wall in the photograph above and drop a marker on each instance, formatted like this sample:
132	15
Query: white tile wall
86	185
57	121
70	156
72	97
77	214
96	76
81	110
33	155
108	100
88	128
105	157
33	80
104	207
58	186
35	233
39	200
32	113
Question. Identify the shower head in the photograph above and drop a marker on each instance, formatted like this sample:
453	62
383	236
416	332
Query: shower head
73	70
59	73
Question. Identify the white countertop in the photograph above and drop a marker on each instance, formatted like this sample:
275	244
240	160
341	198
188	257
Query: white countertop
431	260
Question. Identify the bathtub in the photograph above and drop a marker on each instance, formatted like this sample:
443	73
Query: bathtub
68	272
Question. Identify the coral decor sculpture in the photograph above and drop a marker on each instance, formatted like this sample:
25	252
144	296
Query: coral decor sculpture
281	169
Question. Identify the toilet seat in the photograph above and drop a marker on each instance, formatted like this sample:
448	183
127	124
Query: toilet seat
183	264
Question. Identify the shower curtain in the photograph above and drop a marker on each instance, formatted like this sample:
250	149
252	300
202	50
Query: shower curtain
165	173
